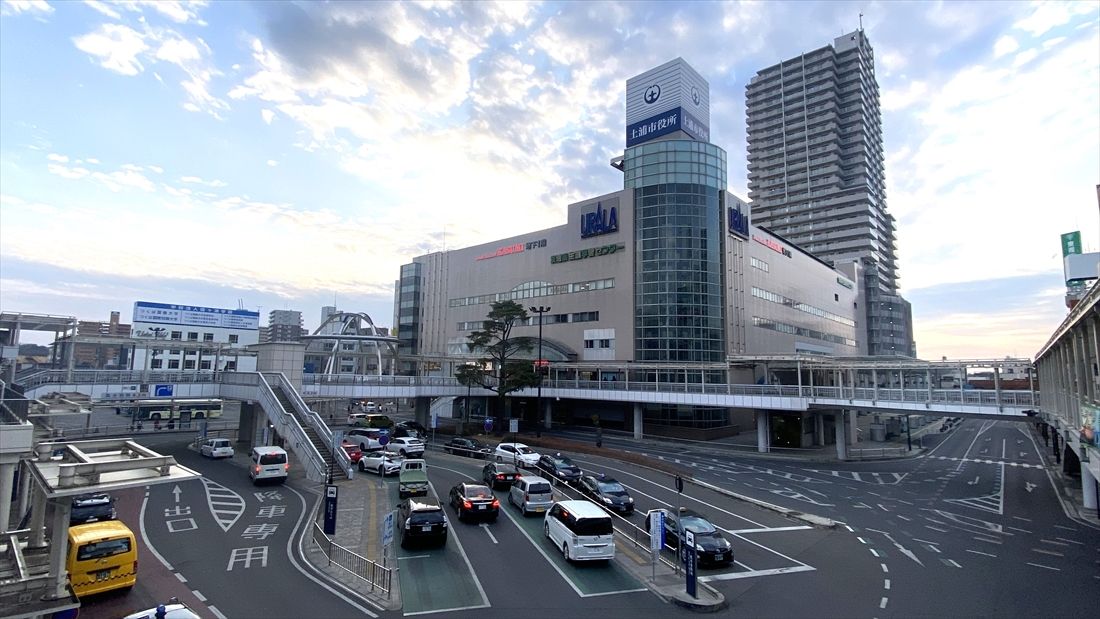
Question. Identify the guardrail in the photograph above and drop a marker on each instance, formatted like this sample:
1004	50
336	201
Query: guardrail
866	453
292	430
355	564
139	429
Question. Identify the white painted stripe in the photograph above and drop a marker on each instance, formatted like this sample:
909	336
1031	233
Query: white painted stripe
754	574
1058	526
218	613
179	577
202	598
1047	552
1069	541
952	562
886	584
984	554
850	529
882	604
873	551
413	557
445	610
1045	567
1050	541
924	541
904	518
884	568
934	549
145	536
928	526
767	530
987	540
861	540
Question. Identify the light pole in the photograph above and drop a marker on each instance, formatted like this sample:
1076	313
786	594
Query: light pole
540	310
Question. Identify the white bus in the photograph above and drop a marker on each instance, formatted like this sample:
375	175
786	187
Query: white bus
172	408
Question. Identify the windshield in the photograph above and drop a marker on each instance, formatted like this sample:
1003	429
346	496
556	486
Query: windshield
611	487
507	469
478	492
565	463
525	450
697	524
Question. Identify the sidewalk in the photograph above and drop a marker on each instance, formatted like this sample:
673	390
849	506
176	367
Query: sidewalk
1068	488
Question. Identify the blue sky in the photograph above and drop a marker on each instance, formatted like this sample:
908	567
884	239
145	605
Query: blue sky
283	156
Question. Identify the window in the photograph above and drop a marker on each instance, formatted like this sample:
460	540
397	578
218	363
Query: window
156	364
189	364
605	343
173	364
208	337
230	366
233	339
590	343
177	335
205	365
760	264
192	336
174	351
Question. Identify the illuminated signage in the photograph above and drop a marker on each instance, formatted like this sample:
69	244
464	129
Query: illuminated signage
515	248
843	282
664	123
592	252
772	245
738	222
599	221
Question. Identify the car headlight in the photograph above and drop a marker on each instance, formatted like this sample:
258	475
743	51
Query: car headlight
630	500
605	500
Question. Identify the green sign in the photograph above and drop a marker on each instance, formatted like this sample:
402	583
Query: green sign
1071	243
591	252
843	282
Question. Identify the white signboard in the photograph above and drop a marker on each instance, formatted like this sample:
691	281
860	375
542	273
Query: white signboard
193	315
667	87
513	425
656	527
387	530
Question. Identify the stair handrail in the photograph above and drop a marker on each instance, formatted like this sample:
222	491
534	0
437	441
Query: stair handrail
314	420
316	464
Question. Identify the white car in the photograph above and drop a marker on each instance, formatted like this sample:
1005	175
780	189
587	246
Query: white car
406	446
172	610
381	462
518	454
217	448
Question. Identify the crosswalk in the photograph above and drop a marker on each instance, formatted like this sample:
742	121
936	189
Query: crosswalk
226	505
1022	465
882	479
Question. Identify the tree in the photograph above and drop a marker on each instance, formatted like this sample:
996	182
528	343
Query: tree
468	376
502	352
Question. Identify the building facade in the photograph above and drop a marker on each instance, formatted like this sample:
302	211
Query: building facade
283	326
817	174
204	337
101	356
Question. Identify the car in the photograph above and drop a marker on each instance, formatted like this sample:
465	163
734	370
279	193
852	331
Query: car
518	454
531	494
559	468
499	474
710	546
400	431
354	451
406	446
608	492
357	419
380	461
366	438
94	507
474	500
469	447
217	448
421	519
412	426
370	407
172	609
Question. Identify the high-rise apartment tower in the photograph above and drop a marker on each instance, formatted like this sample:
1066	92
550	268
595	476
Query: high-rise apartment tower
817	173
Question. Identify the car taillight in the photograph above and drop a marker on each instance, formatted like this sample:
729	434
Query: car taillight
286	467
256	469
496	503
467	504
526	497
500	476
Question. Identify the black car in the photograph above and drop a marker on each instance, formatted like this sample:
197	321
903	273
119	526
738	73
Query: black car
92	508
710	546
474	500
499	475
559	468
421	519
469	447
412	426
608	492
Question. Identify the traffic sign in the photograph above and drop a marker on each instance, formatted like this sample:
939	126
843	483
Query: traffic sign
330	510
488	424
513	425
387	530
383	439
657	530
689	552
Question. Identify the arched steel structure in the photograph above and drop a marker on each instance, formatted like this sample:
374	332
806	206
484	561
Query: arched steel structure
351	334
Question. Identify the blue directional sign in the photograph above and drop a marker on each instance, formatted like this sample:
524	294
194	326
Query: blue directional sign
383	439
488	424
330	510
163	391
689	568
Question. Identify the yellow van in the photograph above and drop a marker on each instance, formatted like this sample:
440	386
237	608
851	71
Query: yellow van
102	557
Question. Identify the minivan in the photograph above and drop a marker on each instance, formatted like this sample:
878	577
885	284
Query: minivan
268	463
582	530
531	494
102	557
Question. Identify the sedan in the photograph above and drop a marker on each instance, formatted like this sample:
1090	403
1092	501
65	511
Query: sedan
92	508
407	446
380	461
559	468
353	451
469	447
499	474
518	454
710	546
608	492
474	500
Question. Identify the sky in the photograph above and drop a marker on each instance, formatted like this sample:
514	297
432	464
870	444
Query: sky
287	155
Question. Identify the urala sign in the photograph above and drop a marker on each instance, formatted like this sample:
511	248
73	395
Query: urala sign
738	222
599	221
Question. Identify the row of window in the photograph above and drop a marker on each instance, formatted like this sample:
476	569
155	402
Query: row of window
774	297
760	264
540	291
765	323
533	321
189	364
598	343
193	336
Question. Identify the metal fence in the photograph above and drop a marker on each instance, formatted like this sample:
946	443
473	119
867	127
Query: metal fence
379	577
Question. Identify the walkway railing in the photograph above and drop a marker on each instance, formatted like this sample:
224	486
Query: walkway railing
355	564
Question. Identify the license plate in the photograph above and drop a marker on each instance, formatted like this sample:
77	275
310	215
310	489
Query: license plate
540	509
102	575
719	557
426	529
481	507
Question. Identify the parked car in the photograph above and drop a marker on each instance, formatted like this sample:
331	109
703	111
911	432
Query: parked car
518	454
366	438
710	546
380	461
531	494
412	426
217	448
474	500
559	468
608	492
421	519
173	609
406	446
499	474
93	507
469	447
354	451
370	407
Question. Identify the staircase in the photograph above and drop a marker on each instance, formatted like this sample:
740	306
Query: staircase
322	447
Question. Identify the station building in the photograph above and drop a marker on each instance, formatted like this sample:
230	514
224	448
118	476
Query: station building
669	269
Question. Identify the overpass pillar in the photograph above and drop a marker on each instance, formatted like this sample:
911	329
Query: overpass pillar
762	431
7	481
422	411
547	414
819	429
249	424
841	444
1088	485
853	427
638	430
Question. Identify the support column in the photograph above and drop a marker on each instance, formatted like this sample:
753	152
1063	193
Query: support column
841	444
547	414
7	480
853	427
819	429
762	432
638	429
59	546
422	411
1088	486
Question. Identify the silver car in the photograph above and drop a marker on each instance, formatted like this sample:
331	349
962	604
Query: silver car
380	461
531	494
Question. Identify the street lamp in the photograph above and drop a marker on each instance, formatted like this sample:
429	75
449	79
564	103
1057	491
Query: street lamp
540	310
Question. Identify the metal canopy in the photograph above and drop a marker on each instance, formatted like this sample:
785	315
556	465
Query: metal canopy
101	466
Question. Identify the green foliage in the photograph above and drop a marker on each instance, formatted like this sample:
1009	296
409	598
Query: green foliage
507	355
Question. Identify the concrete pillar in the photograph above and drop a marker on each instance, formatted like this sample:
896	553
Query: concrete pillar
638	430
1088	486
547	413
38	519
762	432
838	426
422	411
853	427
7	481
59	546
819	429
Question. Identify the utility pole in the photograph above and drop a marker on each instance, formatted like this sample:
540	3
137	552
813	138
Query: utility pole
540	310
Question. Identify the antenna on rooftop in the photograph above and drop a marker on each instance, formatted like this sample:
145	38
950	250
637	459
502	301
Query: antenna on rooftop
861	21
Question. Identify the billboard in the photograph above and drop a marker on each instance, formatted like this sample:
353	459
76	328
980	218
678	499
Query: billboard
195	316
665	99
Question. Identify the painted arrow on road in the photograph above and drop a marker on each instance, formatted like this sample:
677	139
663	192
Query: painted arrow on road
176	491
975	482
1029	486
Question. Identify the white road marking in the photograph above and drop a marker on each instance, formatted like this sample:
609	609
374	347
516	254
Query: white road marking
882	604
984	554
861	540
881	507
1045	567
952	562
886	584
1058	526
928	526
934	549
1047	552
771	572
967	452
874	552
217	494
1022	518
885	569
179	577
905	551
987	540
145	535
904	518
413	557
767	530
1069	541
975	481
201	597
924	541
1050	541
218	613
490	533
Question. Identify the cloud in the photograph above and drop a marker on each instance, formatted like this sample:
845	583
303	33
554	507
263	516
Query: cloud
272	162
198	181
1049	15
57	158
103	9
14	7
1005	45
116	46
128	176
268	115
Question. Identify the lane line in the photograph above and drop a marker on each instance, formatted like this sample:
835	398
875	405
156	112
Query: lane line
886	584
1045	567
202	598
771	572
988	540
1047	552
180	577
924	541
872	552
775	530
1048	541
952	562
885	570
145	536
413	557
217	613
962	460
928	526
882	604
984	554
1069	541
